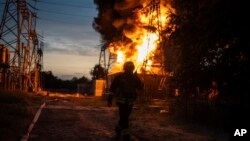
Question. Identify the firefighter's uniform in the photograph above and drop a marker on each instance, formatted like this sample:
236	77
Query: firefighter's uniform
124	87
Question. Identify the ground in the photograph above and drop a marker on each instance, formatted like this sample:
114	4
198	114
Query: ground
88	118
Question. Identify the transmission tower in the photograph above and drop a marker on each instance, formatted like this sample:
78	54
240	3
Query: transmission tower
159	79
106	63
102	57
18	35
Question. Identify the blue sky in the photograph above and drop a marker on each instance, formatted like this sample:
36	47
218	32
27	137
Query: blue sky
71	44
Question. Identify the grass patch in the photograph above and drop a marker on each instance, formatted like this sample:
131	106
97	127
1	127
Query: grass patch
17	110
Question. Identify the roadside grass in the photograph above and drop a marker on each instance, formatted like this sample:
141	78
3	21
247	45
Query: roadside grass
17	110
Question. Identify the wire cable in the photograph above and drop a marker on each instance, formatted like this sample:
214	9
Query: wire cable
54	12
60	21
67	5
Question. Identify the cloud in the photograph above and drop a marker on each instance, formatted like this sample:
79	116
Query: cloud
62	45
70	51
70	42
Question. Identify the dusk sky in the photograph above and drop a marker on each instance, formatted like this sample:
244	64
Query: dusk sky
70	43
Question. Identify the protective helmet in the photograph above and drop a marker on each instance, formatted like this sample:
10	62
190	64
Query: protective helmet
128	66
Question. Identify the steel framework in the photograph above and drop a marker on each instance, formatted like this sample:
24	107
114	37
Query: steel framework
18	34
153	6
161	79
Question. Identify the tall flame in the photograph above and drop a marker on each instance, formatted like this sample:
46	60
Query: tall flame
144	34
120	57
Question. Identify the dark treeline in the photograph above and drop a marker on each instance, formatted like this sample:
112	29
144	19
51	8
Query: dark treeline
211	43
51	82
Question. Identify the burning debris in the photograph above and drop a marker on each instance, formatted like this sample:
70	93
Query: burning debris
133	31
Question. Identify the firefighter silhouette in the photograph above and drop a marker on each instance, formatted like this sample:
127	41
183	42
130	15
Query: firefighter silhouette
124	87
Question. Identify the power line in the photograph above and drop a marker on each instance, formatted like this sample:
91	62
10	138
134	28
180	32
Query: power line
67	5
59	21
49	11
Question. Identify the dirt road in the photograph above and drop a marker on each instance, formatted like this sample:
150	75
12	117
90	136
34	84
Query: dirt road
67	120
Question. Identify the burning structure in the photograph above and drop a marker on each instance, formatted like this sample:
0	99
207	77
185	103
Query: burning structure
135	31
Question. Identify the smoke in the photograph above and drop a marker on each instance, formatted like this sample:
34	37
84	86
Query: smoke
115	18
132	28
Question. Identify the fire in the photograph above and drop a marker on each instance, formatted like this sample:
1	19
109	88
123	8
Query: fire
120	57
144	34
147	47
149	44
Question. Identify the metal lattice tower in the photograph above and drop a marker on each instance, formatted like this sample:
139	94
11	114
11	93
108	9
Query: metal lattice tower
106	63
153	6
102	57
158	59
18	35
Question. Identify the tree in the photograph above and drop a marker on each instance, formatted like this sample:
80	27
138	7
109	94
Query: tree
211	42
50	81
98	72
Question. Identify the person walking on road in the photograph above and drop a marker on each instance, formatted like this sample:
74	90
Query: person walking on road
124	87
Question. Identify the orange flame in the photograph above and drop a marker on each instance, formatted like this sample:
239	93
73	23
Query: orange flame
145	39
120	57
